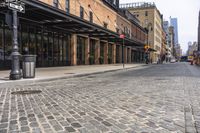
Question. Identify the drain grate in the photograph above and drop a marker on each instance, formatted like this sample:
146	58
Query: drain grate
26	92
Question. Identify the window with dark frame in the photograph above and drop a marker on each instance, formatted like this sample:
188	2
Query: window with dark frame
146	13
81	12
91	17
55	3
105	25
67	6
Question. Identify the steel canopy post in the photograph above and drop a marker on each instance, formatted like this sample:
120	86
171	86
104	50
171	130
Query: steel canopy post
15	73
123	53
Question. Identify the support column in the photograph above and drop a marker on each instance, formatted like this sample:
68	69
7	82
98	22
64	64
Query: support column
97	51
125	54
87	50
114	53
74	49
129	55
106	53
120	54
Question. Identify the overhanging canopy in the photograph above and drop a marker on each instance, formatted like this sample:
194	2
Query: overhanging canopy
47	15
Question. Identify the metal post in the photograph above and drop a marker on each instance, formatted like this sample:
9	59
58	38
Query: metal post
123	53
15	73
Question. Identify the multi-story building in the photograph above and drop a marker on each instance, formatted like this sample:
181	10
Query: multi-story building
163	48
166	30
174	23
192	47
151	19
171	41
73	32
178	52
199	33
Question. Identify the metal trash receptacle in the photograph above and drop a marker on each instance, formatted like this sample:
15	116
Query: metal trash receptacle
28	66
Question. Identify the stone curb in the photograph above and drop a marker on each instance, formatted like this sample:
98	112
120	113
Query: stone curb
66	77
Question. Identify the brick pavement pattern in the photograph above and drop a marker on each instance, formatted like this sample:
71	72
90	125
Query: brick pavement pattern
157	99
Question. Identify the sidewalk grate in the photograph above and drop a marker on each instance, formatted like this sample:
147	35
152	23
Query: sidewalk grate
24	92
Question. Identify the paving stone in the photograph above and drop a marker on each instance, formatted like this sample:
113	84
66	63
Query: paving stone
3	130
70	129
57	127
34	124
50	117
107	123
3	125
157	98
25	129
22	118
76	125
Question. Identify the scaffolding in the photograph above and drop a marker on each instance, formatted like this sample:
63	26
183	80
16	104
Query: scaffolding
137	5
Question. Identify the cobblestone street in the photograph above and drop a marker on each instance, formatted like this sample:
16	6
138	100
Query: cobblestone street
155	98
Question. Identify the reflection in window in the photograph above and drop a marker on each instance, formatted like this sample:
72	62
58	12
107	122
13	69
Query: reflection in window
8	42
81	12
80	50
92	51
67	6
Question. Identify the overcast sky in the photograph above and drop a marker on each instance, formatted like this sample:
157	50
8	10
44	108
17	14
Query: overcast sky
187	13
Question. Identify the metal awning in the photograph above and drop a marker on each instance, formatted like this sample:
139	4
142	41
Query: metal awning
46	15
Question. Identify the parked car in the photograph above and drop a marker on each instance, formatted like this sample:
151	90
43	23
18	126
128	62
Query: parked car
173	60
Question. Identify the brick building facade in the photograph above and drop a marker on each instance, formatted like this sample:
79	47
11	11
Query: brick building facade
74	32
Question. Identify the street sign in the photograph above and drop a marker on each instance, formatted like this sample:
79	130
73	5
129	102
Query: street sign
20	7
122	36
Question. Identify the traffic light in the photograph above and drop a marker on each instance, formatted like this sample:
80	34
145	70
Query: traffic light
146	47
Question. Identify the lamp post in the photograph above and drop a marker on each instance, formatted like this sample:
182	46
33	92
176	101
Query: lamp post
122	36
15	73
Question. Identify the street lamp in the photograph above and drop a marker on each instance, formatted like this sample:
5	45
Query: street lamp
15	73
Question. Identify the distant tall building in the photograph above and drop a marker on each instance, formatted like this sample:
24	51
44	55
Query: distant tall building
174	23
199	33
191	48
166	26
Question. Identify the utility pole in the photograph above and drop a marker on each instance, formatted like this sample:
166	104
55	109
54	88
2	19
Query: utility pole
15	73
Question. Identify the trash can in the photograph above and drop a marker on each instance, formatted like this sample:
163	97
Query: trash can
28	66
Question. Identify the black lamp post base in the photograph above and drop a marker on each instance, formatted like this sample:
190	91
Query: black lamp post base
15	76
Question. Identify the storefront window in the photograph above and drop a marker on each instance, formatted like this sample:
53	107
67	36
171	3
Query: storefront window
109	53
101	60
92	51
8	47
25	40
117	54
32	41
50	49
66	50
80	51
55	50
60	50
1	46
45	48
39	46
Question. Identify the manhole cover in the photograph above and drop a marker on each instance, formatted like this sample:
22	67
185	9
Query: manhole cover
26	92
